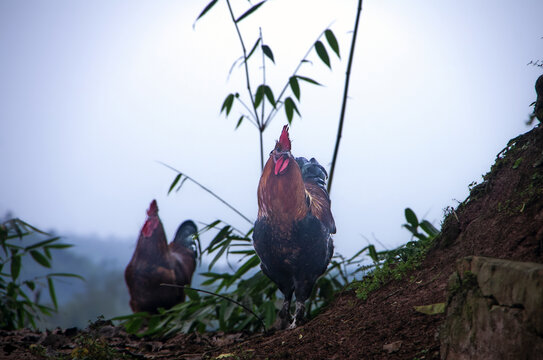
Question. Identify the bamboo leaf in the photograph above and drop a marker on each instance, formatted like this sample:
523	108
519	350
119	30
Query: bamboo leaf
311	81
67	275
269	94
15	266
59	246
259	95
268	52
181	184
411	218
175	181
253	49
206	9
219	254
269	313
249	264
294	86
290	107
429	228
40	258
239	121
30	284
192	295
227	104
41	243
323	54
52	293
221	235
373	253
250	11
332	41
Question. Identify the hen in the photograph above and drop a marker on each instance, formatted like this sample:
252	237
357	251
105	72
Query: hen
155	262
292	235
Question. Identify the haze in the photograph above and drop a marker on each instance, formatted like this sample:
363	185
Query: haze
94	93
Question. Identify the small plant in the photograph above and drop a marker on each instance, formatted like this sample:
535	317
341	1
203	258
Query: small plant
246	285
92	347
17	309
394	264
252	107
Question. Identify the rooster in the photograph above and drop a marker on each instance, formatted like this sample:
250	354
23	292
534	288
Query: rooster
292	235
155	262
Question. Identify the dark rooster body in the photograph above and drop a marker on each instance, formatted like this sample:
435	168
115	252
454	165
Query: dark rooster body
155	262
292	232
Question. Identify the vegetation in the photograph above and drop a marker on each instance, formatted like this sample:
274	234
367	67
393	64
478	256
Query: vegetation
17	309
246	299
394	264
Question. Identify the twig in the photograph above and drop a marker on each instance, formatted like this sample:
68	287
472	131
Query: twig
247	77
222	297
209	191
345	94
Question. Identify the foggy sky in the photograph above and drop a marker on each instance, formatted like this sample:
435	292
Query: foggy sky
94	94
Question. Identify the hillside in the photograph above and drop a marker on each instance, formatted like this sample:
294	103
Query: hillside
502	218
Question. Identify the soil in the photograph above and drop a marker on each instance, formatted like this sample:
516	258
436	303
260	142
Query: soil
502	218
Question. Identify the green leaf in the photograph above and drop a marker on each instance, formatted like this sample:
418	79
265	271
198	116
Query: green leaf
323	54
41	243
294	86
206	9
332	41
250	11
239	121
66	275
311	81
269	94
30	284
15	266
133	325
192	295
59	246
253	49
373	253
221	235
219	254
269	313
432	309
411	218
268	52
249	264
290	107
181	184
175	181
52	293
259	95
227	104
429	228
40	258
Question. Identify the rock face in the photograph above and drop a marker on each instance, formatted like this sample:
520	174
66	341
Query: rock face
494	310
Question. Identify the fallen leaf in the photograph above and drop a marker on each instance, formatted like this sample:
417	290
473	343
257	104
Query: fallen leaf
431	309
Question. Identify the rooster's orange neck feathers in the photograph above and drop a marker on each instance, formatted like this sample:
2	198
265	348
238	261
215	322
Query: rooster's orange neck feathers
281	191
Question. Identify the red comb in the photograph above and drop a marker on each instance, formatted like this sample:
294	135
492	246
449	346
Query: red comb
284	141
152	220
153	208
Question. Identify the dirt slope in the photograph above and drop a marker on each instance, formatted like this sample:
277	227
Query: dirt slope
502	217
